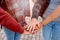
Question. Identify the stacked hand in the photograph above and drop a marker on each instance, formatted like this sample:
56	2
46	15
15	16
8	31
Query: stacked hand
33	26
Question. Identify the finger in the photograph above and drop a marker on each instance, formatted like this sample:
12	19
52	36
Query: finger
33	29
37	26
30	29
26	27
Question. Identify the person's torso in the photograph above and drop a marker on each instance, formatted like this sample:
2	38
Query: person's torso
52	6
19	8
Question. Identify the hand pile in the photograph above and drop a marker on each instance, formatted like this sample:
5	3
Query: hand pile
33	27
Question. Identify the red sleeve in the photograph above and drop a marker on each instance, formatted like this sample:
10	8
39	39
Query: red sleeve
9	22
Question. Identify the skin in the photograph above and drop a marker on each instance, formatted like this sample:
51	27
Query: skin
55	14
34	1
32	25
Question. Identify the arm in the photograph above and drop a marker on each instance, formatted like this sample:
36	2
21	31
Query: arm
55	14
9	22
36	9
39	8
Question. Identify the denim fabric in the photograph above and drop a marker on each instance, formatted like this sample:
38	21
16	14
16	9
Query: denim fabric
52	6
10	35
52	31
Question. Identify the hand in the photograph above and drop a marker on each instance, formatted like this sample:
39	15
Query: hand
25	32
41	26
32	26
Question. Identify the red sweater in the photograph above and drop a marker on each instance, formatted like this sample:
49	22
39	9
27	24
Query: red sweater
9	22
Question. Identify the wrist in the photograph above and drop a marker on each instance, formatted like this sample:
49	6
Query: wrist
43	24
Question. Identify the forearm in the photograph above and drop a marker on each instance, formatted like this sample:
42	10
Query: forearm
55	14
36	9
39	8
9	22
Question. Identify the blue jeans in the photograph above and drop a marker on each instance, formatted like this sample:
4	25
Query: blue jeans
52	31
10	35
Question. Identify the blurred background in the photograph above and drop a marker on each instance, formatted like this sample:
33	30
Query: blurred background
37	36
